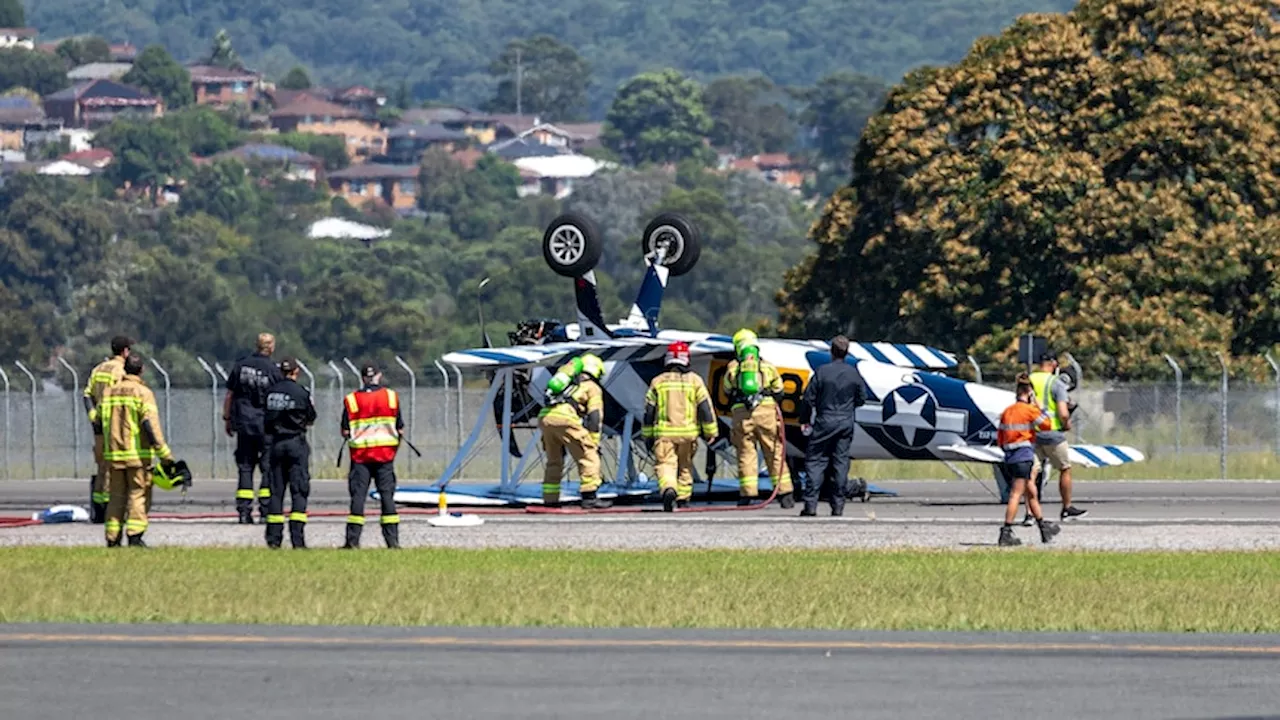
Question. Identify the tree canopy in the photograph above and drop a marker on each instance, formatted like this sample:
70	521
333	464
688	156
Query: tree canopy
157	72
1106	178
657	117
552	78
444	47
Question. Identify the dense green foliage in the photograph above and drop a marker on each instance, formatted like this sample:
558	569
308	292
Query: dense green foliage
201	277
443	48
551	79
157	72
37	72
1106	178
658	117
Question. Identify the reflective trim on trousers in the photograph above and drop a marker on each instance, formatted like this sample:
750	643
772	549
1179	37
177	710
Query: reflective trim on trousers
390	519
355	519
244	494
297	517
262	493
275	519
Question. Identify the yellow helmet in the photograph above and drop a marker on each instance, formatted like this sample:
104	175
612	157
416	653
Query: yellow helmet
593	366
744	338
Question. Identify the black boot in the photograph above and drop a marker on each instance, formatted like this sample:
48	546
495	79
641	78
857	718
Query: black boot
682	504
1048	530
246	516
787	502
97	510
298	534
745	500
809	511
275	535
353	537
136	541
1006	537
591	502
669	500
115	543
391	535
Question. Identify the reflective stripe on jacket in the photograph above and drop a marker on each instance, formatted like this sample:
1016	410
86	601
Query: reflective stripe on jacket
1018	425
125	407
103	376
1042	383
585	404
372	416
678	405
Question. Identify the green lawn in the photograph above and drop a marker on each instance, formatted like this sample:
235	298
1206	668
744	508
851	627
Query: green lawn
977	590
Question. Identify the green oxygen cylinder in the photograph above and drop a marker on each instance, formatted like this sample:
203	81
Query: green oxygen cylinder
749	372
564	377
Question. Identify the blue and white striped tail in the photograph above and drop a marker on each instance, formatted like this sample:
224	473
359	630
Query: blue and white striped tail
1096	456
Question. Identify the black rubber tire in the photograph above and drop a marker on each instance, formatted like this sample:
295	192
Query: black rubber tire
572	245
682	233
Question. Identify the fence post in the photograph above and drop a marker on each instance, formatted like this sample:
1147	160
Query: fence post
413	402
444	426
311	380
7	433
977	369
1226	382
165	423
213	432
342	390
75	416
354	371
1276	367
1177	405
32	378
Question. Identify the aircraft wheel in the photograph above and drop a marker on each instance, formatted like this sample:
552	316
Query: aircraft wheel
678	237
572	245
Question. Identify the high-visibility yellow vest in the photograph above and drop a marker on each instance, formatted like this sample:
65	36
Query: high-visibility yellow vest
1042	382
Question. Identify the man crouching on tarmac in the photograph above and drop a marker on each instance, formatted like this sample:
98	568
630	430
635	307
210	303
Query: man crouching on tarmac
1019	424
572	421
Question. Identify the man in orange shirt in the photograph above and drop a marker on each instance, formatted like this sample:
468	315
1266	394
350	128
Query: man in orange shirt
1019	424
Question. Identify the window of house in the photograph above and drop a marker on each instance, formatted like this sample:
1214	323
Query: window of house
238	88
408	187
357	187
307	119
328	119
213	88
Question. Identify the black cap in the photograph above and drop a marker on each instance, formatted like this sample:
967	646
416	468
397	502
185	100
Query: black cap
288	365
1048	356
368	370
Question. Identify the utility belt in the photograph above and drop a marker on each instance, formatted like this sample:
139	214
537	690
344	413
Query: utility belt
578	407
751	402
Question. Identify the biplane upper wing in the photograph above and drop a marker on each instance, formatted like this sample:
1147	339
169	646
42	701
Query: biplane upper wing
616	349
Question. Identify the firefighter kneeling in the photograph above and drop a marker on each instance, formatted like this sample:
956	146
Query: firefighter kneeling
572	420
754	388
131	425
677	408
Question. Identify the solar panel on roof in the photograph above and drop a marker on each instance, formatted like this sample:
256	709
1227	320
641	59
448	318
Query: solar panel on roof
15	101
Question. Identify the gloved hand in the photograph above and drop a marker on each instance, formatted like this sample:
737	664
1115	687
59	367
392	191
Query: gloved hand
169	466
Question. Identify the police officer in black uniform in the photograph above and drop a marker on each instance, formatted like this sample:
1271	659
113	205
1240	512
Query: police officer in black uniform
830	403
243	411
290	411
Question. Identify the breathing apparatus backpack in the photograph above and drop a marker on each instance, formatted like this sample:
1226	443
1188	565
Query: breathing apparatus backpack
562	385
749	377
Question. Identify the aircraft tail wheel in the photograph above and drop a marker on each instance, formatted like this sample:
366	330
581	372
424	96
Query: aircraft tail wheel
572	245
679	240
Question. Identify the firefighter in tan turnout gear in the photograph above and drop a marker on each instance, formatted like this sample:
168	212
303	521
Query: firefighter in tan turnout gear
103	376
677	409
134	443
572	420
754	387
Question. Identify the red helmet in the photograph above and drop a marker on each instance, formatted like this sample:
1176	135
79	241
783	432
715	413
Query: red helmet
678	353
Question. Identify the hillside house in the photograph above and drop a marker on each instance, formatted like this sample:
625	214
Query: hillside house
364	137
99	71
223	87
17	113
96	103
396	185
406	144
18	38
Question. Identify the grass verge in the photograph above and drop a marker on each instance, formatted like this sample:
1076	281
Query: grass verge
979	590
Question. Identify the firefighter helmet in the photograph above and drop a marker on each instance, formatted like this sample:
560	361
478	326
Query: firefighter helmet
592	365
743	339
678	353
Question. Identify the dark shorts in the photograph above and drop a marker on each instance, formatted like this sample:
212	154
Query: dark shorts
1018	470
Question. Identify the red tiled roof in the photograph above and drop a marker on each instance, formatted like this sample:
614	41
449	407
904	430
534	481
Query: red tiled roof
94	157
213	73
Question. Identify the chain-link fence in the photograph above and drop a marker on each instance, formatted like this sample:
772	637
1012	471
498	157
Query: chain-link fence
1181	427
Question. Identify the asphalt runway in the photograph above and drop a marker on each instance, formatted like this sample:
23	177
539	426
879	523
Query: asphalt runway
1124	516
162	672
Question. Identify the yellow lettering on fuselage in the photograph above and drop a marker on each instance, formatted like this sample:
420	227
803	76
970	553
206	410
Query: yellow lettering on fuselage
794	381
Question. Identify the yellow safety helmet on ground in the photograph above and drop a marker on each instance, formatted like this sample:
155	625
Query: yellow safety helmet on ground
744	338
593	366
177	474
